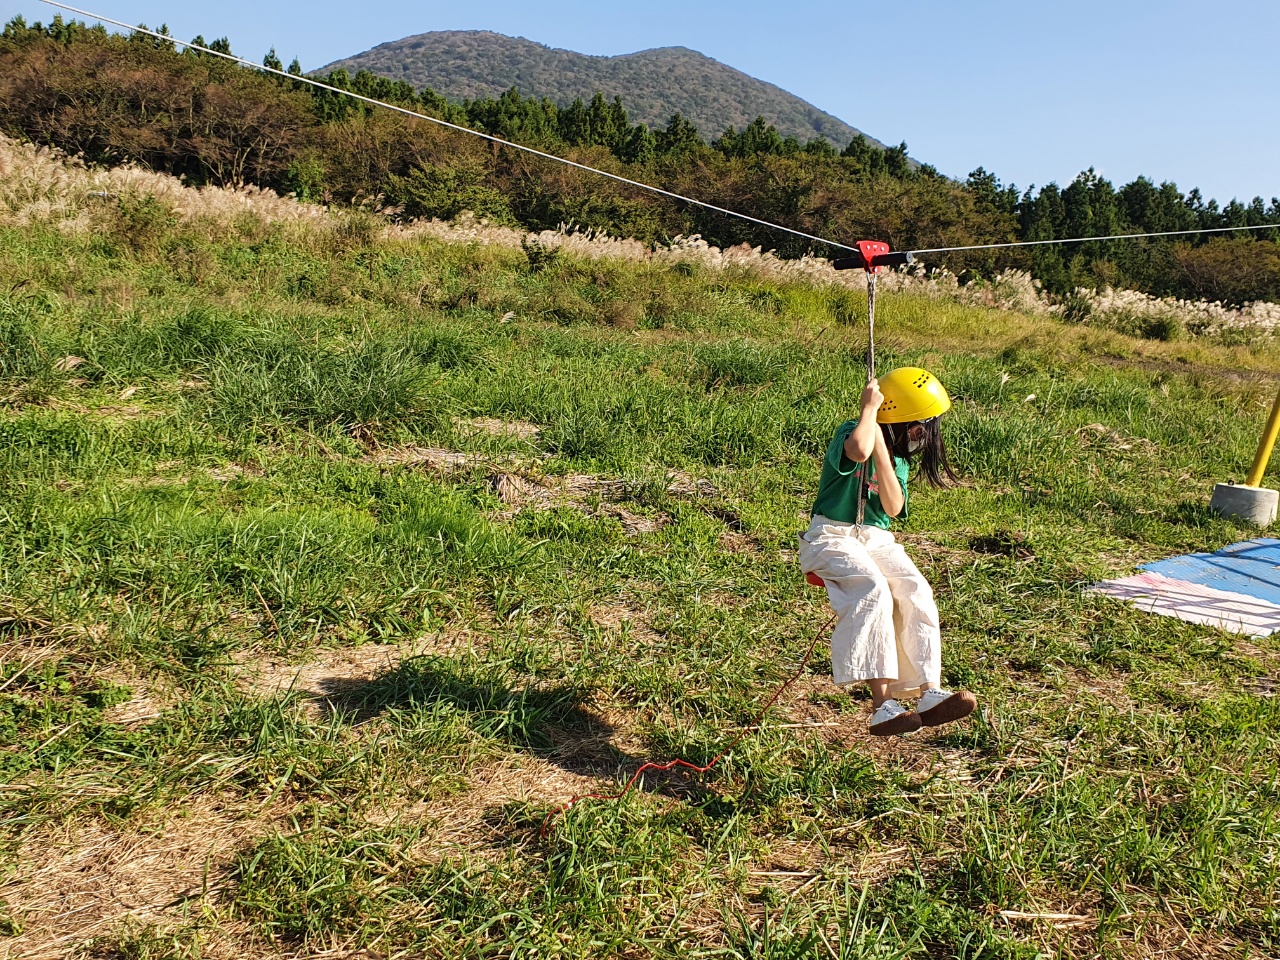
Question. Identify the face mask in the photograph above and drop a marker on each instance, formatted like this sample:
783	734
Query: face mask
914	444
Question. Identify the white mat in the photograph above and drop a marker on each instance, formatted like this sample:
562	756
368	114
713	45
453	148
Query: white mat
1233	612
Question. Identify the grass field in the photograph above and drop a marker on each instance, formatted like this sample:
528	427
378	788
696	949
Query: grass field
330	564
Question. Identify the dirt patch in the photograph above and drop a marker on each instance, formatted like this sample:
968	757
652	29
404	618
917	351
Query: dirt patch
633	523
731	541
107	411
39	642
222	474
578	491
514	490
1098	436
580	485
1229	377
1111	689
613	615
928	554
433	458
150	696
84	880
681	484
1269	659
462	819
521	429
33	634
1070	929
27	656
1266	687
231	471
1004	543
336	674
815	705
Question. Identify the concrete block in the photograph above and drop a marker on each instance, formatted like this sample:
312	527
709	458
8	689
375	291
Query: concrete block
1256	505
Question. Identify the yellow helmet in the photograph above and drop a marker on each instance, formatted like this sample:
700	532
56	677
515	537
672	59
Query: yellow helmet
911	393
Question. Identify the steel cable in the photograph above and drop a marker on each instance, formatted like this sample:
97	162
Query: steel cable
614	176
451	126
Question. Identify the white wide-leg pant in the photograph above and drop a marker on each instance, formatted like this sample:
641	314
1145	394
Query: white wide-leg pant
887	625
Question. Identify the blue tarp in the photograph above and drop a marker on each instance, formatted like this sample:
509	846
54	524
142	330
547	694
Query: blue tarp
1251	568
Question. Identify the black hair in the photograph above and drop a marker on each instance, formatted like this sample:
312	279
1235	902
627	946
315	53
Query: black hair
932	455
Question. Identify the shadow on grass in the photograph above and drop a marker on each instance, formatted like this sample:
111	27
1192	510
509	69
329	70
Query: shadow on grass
554	723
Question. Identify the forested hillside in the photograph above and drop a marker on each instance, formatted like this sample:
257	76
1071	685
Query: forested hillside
113	99
654	84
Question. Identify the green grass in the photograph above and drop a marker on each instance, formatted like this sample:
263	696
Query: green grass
226	477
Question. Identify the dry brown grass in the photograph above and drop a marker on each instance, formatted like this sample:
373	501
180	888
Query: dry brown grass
85	879
333	675
432	458
39	185
617	616
493	427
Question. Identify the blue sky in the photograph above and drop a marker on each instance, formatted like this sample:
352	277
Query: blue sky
1035	91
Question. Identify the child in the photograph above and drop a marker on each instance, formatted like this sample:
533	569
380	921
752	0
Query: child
887	632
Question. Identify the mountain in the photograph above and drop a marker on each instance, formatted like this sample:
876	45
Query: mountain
653	84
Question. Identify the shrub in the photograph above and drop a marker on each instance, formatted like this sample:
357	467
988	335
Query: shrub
443	193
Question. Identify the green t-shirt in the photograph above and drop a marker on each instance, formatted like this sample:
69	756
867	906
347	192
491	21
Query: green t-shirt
838	487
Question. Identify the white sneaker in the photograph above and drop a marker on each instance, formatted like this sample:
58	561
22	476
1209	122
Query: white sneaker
892	718
938	706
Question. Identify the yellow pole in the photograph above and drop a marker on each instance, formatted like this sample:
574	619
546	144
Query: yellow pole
1268	444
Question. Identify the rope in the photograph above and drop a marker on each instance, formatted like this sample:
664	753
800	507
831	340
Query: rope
871	375
871	325
685	764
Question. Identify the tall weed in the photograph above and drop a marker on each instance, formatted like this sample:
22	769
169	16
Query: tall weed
277	381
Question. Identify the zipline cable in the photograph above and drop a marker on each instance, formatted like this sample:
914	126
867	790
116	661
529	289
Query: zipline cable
1114	236
446	123
604	173
755	723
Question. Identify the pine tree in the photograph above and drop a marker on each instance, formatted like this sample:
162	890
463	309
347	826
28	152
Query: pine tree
639	146
575	124
607	122
679	138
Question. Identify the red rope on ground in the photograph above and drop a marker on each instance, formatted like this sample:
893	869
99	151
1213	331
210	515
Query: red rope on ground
672	764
